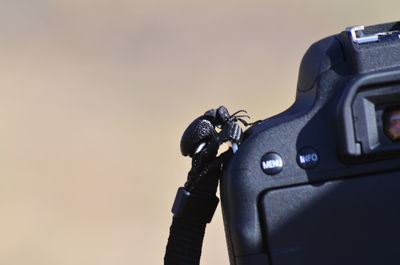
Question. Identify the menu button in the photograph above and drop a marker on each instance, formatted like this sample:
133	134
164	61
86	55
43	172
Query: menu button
271	163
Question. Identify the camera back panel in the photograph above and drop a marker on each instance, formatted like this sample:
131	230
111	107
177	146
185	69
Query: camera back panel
320	182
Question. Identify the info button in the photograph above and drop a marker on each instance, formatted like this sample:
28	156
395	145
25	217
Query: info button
307	158
271	163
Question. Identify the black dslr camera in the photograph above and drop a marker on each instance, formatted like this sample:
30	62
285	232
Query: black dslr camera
320	182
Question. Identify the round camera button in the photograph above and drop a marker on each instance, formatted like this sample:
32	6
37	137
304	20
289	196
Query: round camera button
271	163
307	157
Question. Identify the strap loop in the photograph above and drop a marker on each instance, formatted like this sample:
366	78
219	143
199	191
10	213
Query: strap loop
194	207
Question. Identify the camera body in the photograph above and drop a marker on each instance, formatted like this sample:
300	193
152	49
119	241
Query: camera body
320	182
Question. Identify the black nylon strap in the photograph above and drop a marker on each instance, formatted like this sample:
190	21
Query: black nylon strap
184	243
191	214
193	208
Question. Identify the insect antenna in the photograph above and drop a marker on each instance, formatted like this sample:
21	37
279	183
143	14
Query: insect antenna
236	117
242	116
237	112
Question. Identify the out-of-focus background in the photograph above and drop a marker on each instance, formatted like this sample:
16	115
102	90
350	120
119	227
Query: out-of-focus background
94	98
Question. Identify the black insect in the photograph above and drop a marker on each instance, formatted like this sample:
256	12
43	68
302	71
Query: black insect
216	125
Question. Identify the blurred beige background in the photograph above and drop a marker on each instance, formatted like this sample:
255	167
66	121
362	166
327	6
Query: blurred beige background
94	97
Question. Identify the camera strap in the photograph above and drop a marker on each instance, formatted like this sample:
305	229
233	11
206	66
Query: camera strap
193	208
184	243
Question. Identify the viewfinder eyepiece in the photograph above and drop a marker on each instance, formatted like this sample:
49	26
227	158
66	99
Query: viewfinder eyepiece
391	123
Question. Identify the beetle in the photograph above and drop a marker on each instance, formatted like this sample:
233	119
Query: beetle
215	125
